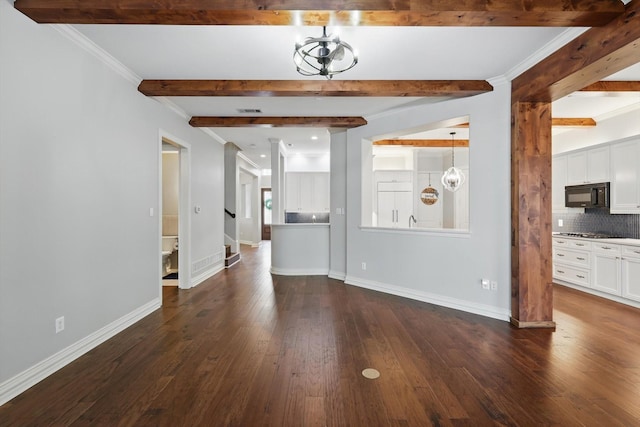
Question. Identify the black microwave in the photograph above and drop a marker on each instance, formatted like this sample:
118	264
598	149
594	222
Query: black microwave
587	195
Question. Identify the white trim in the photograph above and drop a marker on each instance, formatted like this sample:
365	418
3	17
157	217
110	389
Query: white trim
88	45
454	303
249	243
217	268
41	370
213	135
546	50
248	160
172	106
299	272
615	113
338	275
418	231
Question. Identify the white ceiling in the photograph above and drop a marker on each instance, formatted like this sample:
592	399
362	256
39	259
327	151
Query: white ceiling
386	53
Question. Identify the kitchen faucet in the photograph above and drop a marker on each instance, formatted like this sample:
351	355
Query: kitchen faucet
412	219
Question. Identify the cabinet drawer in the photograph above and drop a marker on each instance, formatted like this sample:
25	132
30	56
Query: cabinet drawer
580	244
631	251
568	256
606	248
571	274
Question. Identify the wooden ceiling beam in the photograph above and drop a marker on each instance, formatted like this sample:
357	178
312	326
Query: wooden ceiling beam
584	13
401	88
424	143
557	121
573	121
613	86
595	54
305	122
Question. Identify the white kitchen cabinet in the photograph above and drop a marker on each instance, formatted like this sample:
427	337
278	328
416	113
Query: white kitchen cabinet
625	173
630	272
588	166
395	204
393	176
307	192
572	261
606	268
558	182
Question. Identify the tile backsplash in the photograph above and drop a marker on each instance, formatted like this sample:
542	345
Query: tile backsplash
599	221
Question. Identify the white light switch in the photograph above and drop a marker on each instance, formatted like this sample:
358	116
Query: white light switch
150	211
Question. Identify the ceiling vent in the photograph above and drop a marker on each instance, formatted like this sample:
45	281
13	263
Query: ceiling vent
249	110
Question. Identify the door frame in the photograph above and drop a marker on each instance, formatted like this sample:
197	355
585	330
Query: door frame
184	211
262	191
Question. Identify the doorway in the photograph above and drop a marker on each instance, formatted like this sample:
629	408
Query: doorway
174	219
266	219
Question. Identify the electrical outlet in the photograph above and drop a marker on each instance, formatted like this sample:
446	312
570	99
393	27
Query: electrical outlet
485	284
364	265
560	223
59	324
494	285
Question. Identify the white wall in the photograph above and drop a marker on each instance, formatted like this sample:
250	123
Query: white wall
439	267
613	129
79	173
303	163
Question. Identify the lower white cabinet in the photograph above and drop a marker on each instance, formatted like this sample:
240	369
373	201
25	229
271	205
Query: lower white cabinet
631	273
602	266
606	268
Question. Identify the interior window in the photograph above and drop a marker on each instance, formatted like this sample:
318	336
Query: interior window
420	179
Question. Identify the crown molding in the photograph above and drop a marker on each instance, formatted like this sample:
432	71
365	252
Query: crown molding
88	45
248	160
546	50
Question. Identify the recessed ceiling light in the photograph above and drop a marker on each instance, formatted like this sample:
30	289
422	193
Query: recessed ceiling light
263	155
314	137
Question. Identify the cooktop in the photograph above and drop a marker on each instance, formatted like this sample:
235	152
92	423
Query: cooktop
590	235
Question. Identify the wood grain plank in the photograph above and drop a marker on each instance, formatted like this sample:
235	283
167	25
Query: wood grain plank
323	12
248	348
573	121
531	268
317	88
259	121
428	143
612	86
590	57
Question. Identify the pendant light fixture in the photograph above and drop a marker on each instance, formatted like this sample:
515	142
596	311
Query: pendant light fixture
323	56
453	178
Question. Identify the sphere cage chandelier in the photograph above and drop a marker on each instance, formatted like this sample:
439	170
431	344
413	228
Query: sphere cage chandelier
453	178
324	56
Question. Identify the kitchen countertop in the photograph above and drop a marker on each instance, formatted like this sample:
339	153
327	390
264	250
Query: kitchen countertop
617	241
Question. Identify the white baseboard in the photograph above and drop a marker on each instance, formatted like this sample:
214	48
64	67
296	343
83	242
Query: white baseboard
597	293
457	304
338	275
215	269
41	370
299	272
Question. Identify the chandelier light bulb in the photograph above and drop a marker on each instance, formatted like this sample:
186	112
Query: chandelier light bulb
453	178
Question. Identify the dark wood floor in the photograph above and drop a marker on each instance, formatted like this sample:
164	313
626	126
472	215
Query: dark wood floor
248	349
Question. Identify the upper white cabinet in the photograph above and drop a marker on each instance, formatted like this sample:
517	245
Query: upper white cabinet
588	166
307	192
625	167
558	182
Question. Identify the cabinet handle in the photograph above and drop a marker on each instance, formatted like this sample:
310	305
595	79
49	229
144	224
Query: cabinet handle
580	258
560	271
579	244
579	276
560	254
606	248
637	252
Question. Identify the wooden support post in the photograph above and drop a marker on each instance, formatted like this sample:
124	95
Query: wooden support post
531	267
